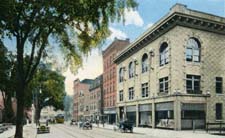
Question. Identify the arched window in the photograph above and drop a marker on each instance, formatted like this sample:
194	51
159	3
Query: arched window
193	50
131	70
164	54
144	63
121	74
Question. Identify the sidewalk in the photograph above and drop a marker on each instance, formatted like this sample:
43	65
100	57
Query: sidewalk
162	133
29	131
9	133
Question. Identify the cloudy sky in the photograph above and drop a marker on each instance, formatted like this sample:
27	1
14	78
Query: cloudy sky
148	12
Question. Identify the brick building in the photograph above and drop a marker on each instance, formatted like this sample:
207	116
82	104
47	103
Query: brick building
81	99
96	99
109	78
173	73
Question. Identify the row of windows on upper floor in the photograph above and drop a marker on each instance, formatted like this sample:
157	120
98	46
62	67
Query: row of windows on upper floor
192	86
109	61
192	55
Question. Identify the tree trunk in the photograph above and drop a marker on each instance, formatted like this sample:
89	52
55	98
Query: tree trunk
20	112
20	94
38	113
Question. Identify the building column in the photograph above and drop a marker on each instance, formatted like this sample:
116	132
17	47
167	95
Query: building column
117	115
124	113
137	115
153	114
177	113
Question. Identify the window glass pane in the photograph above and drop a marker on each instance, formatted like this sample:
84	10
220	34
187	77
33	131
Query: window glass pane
218	111
197	85
219	85
189	85
196	52
189	54
196	58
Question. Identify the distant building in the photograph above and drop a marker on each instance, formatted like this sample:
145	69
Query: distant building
96	99
174	73
1	106
109	78
81	99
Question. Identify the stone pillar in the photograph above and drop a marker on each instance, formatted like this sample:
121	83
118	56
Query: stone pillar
177	113
125	113
117	115
137	115
153	114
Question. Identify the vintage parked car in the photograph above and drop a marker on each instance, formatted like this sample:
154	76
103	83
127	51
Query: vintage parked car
43	127
87	125
124	126
73	122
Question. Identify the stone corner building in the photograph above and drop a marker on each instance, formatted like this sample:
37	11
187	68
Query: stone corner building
109	79
173	74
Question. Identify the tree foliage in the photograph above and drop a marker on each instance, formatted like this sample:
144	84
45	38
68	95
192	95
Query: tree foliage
34	23
48	87
7	82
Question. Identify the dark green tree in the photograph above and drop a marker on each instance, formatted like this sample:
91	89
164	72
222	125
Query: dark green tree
48	89
33	23
7	82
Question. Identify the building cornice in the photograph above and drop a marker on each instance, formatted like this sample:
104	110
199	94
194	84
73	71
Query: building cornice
189	18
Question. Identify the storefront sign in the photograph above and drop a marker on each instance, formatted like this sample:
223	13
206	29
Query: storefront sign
131	108
164	106
193	106
145	107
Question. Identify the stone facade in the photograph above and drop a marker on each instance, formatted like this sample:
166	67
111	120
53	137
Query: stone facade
109	78
161	94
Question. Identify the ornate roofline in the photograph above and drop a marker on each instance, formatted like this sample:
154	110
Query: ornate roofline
178	17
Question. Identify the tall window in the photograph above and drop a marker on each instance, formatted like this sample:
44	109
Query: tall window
144	90
131	93
164	54
219	85
193	84
131	70
144	63
121	95
164	85
219	112
121	74
193	50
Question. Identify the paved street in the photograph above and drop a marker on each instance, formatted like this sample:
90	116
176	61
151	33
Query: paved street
66	131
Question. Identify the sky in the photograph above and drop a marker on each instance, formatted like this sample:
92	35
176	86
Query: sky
137	22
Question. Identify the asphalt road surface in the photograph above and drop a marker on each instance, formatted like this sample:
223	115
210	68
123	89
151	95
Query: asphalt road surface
67	131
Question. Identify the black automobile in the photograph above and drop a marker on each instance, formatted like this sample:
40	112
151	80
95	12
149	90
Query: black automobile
87	125
125	126
73	122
